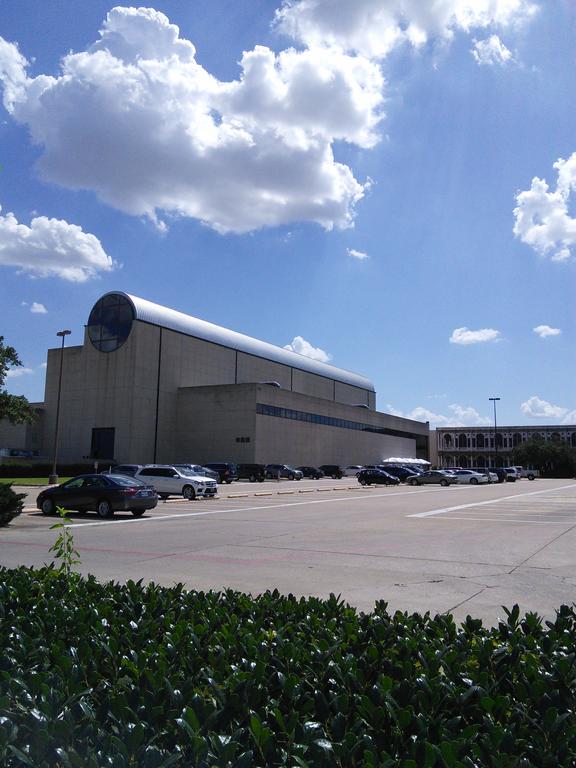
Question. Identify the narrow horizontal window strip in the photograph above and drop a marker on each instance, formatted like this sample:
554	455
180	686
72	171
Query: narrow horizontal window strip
329	421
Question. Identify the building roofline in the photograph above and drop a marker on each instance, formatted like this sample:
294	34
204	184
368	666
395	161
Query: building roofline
156	314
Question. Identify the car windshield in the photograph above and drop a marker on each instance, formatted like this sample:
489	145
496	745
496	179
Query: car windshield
127	482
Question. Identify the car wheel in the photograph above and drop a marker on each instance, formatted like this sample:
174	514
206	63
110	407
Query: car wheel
530	477
444	483
104	509
163	496
189	493
473	481
48	507
252	478
361	481
298	478
228	482
137	512
261	479
413	482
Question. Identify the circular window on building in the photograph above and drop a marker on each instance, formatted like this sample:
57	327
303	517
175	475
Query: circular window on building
110	322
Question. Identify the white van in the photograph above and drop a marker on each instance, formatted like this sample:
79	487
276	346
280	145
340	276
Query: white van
171	481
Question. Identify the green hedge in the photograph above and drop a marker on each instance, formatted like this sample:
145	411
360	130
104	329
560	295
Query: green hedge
95	675
11	503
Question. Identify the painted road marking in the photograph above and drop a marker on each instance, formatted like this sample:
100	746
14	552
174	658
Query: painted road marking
304	502
476	504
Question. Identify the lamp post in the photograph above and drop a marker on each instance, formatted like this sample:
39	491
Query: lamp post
494	400
53	479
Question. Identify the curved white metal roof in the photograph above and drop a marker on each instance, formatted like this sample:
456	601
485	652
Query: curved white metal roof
164	317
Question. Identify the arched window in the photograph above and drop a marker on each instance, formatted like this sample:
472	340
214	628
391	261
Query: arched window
516	439
480	462
573	440
555	437
447	440
479	440
448	461
463	460
536	436
499	441
462	441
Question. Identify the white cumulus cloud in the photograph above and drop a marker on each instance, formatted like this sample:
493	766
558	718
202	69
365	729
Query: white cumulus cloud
15	373
38	309
542	218
537	408
374	27
466	336
545	330
135	119
359	255
303	347
460	416
51	248
491	51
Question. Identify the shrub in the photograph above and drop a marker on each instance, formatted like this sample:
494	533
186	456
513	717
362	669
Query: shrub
11	503
145	676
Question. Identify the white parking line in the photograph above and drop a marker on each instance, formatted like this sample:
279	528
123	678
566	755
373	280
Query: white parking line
304	502
445	510
568	523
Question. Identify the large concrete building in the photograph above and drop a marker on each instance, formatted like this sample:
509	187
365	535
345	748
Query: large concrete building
150	384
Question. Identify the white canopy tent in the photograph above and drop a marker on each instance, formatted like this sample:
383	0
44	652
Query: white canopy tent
396	460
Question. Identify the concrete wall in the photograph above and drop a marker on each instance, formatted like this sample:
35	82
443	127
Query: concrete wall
27	437
210	421
213	419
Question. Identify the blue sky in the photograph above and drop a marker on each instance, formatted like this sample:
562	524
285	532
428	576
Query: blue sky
386	184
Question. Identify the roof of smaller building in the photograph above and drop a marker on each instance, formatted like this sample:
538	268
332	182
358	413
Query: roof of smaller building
156	314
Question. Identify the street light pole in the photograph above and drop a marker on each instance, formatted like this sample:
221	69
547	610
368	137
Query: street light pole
53	479
494	400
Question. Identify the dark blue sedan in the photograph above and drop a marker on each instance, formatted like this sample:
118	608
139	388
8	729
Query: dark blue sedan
376	477
103	494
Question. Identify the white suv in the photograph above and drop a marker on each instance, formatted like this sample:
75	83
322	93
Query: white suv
171	481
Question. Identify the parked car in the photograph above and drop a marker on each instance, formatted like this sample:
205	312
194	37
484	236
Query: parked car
470	477
104	494
492	476
198	469
123	469
170	481
332	470
352	470
312	472
500	472
434	476
226	470
512	474
402	473
275	471
531	474
376	477
253	472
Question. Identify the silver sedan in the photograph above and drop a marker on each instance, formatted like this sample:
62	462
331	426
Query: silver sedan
434	477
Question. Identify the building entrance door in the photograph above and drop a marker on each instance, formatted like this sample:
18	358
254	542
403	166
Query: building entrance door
102	443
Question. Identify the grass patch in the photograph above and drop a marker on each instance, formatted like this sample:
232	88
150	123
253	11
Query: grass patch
96	675
30	480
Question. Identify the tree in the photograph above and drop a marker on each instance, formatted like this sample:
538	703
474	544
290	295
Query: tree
15	408
553	459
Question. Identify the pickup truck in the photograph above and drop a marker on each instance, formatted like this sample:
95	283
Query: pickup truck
529	473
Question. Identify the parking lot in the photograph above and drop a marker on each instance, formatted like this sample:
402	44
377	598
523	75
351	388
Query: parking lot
461	549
